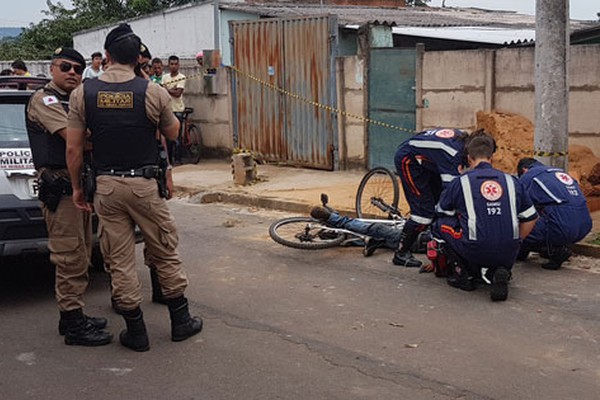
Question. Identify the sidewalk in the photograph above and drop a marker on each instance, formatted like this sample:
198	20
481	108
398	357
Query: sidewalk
291	189
283	188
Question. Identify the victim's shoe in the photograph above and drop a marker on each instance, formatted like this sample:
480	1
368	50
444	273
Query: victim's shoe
372	244
320	213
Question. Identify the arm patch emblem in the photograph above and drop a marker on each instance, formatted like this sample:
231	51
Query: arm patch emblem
114	99
49	100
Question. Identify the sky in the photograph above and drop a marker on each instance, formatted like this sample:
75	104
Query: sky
24	12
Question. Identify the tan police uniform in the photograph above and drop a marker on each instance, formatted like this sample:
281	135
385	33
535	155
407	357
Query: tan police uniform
69	229
121	202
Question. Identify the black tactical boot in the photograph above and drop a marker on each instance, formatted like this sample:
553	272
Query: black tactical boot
557	257
458	277
182	324
157	295
499	290
97	322
79	331
403	256
135	336
115	306
406	259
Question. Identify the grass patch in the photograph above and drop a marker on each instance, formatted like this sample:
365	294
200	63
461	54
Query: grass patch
595	239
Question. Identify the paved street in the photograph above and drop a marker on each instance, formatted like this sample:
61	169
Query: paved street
293	324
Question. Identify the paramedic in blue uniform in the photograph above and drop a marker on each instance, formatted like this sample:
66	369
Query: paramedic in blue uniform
564	216
426	163
483	216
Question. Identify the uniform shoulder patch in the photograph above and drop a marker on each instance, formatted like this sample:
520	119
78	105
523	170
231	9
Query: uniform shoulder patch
491	190
564	178
445	133
50	100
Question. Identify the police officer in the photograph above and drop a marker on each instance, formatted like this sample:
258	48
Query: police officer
122	112
425	163
483	216
69	229
564	216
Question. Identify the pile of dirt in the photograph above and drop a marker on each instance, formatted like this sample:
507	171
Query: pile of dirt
513	134
514	137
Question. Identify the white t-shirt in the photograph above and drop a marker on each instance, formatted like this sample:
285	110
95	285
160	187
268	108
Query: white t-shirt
177	102
90	73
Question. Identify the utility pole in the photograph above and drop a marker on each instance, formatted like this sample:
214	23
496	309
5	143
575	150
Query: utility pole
552	80
217	24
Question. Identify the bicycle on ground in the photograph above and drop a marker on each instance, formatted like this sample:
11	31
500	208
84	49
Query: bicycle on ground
376	202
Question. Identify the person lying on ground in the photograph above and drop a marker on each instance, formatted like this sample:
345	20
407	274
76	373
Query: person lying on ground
564	216
379	234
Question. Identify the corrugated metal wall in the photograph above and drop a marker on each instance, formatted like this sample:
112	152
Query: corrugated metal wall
297	55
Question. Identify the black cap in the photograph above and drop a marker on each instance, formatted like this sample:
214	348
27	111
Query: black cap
120	32
69	54
144	51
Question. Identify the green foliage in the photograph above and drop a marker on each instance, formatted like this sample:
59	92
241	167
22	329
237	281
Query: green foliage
38	41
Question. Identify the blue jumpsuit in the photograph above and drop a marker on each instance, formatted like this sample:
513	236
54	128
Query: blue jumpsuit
426	163
564	216
479	217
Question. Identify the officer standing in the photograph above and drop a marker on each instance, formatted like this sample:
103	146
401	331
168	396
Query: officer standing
425	163
483	216
122	112
564	216
69	229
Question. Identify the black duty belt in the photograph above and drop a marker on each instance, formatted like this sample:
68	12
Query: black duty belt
148	172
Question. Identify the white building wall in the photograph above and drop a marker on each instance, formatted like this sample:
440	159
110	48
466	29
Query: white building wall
181	31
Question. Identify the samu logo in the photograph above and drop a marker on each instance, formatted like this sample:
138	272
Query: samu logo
445	133
564	178
491	190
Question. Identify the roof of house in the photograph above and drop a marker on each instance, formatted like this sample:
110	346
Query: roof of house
405	16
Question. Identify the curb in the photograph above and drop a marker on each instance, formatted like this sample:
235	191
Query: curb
586	249
255	201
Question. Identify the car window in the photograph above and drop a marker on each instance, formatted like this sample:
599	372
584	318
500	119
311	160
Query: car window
13	132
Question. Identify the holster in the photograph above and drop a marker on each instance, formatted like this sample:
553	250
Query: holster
161	174
88	182
52	187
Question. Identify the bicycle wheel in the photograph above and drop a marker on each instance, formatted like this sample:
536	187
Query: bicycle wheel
304	233
192	146
379	185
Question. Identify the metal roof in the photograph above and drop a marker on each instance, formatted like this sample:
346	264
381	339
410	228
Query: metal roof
502	36
479	34
401	17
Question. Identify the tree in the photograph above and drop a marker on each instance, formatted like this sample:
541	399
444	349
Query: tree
38	41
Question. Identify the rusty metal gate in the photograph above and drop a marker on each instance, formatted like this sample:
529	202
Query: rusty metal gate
284	69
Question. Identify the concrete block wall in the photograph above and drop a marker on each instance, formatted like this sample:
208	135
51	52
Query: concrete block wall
457	84
212	112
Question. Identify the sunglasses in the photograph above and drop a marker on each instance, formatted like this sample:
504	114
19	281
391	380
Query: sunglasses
66	67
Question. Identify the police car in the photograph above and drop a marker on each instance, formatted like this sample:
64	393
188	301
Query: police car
22	226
